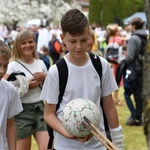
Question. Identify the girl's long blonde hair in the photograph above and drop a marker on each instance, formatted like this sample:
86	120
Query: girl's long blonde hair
16	50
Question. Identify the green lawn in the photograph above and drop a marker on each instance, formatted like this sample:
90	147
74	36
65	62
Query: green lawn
134	137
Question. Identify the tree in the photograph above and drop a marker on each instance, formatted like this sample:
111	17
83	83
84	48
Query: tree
109	11
94	11
14	11
146	81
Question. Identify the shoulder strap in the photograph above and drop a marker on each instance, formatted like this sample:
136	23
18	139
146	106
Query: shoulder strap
63	76
25	67
143	44
28	71
96	63
98	67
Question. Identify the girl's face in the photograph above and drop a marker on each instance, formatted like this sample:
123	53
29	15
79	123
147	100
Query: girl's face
77	45
27	47
90	43
3	66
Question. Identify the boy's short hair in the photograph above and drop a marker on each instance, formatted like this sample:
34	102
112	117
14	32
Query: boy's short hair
138	22
4	51
74	22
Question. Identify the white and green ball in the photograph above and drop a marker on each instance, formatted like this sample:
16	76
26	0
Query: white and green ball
73	114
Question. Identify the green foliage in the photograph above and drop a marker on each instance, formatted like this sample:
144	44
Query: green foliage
94	11
109	11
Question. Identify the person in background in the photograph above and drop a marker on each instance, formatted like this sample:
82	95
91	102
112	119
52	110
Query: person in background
80	84
91	40
43	55
10	103
134	57
30	121
114	37
54	48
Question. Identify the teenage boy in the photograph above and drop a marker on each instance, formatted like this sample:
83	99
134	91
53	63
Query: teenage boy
83	82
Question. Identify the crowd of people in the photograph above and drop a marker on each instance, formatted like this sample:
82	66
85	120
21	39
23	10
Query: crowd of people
28	59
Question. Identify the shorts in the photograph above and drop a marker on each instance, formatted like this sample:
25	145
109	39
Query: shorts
30	120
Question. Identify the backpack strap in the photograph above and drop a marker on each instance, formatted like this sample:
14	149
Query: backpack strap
96	63
63	76
98	67
143	44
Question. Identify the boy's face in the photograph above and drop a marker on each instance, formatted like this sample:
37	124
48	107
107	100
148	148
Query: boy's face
132	28
3	66
77	45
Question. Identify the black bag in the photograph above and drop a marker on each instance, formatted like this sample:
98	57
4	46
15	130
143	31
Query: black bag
131	74
12	77
112	55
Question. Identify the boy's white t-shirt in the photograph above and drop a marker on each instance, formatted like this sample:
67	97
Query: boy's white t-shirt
10	105
38	65
83	82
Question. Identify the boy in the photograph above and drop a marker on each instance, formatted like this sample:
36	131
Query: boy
10	104
83	82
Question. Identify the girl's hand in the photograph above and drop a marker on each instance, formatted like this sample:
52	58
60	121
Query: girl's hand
39	76
33	83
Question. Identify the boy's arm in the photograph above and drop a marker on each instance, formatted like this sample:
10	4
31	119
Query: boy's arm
112	118
110	111
11	134
52	120
55	124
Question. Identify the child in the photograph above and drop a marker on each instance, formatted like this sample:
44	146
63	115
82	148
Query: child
114	37
43	55
83	82
10	104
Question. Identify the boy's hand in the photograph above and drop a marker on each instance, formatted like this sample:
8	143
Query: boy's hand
84	139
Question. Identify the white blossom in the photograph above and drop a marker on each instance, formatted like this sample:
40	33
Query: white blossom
21	11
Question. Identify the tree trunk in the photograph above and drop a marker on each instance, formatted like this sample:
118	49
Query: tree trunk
146	80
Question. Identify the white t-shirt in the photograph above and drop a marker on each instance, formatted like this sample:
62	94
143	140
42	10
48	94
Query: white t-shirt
83	82
10	105
38	65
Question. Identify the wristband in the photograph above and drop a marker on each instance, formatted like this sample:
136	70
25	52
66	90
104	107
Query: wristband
117	137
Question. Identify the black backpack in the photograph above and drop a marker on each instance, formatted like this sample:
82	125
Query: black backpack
63	76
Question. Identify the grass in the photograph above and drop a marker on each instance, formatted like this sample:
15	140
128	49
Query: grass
133	136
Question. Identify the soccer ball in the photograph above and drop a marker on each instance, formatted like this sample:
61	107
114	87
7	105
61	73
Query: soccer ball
73	114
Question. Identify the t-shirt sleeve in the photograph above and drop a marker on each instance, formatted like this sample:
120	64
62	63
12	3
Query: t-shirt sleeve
15	105
50	90
11	68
